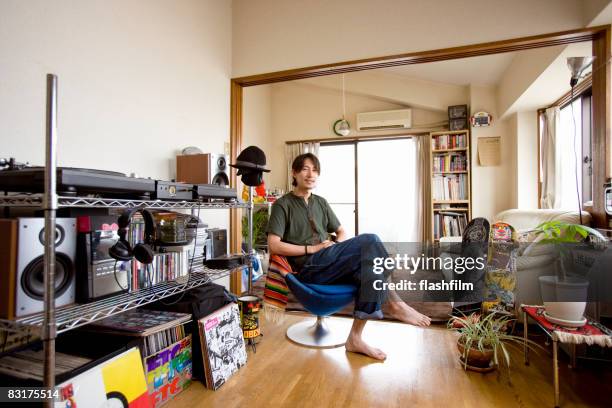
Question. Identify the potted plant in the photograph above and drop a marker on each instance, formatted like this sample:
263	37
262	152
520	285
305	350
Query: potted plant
260	222
564	237
483	341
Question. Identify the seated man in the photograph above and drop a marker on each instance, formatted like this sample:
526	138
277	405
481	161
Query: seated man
298	229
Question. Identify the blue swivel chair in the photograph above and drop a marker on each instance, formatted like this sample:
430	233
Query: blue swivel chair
322	301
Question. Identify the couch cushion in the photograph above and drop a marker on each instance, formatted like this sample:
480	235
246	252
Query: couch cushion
525	220
536	261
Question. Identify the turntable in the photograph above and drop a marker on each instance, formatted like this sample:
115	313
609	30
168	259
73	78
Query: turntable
78	182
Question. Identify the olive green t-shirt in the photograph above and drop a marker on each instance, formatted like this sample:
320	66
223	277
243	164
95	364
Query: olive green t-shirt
291	220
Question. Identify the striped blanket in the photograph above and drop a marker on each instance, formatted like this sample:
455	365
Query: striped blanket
276	290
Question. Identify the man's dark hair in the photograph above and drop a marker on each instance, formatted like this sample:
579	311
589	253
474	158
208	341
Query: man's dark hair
298	163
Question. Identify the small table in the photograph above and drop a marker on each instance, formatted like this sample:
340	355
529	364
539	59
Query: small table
590	333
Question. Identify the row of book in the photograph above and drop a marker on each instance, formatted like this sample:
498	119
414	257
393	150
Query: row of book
449	224
449	162
444	142
449	187
165	267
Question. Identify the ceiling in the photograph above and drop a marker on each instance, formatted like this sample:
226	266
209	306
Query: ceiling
524	80
485	70
553	82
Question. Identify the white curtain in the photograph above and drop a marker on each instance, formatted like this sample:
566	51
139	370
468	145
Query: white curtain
292	151
549	163
423	188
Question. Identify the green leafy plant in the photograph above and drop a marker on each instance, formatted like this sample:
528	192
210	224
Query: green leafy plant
487	334
560	234
260	223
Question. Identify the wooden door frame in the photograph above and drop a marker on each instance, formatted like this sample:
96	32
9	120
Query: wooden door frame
600	37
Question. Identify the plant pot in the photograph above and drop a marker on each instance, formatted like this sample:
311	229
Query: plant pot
475	357
564	299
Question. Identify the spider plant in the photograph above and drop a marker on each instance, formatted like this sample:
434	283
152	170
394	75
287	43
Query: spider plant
487	334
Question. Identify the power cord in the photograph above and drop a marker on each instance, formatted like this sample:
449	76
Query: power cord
117	279
575	156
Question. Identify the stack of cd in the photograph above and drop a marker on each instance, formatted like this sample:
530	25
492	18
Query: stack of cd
197	233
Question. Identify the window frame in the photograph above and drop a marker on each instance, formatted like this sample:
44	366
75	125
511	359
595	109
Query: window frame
584	93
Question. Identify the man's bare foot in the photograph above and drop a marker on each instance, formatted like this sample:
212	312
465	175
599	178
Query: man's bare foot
404	313
356	344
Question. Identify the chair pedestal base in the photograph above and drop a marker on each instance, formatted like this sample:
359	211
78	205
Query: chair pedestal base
324	333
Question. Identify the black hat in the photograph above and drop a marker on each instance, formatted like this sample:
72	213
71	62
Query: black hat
251	159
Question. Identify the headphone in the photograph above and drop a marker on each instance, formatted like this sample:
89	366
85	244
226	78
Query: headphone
142	252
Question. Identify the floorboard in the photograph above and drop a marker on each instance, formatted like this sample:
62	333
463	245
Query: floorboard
422	369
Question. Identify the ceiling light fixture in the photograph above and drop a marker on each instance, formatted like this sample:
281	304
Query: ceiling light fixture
342	127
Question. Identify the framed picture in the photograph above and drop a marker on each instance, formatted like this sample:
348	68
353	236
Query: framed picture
457	111
458	124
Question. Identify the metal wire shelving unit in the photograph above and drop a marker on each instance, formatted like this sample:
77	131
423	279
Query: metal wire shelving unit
36	200
77	315
53	321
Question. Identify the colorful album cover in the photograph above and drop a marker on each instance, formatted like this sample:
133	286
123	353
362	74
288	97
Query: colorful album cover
168	372
118	382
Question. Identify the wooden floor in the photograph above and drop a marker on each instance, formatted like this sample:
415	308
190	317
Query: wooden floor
422	370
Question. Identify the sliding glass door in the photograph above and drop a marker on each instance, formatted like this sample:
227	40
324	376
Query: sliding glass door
337	182
372	186
387	189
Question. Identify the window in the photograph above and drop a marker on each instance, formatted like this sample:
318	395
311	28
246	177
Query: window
572	171
372	187
575	150
337	182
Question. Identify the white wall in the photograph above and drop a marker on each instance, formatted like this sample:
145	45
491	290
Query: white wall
301	111
525	68
257	122
527	160
138	81
396	88
273	35
493	187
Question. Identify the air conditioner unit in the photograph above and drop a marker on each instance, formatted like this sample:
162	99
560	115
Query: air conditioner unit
391	119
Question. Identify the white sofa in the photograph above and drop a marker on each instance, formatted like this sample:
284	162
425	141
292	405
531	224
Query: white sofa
535	260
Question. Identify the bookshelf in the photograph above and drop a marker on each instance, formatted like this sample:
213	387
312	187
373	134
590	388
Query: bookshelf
451	196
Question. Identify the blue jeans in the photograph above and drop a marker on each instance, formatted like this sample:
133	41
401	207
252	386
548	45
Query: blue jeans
351	262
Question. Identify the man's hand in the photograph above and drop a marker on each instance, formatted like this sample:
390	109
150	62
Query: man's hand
323	245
